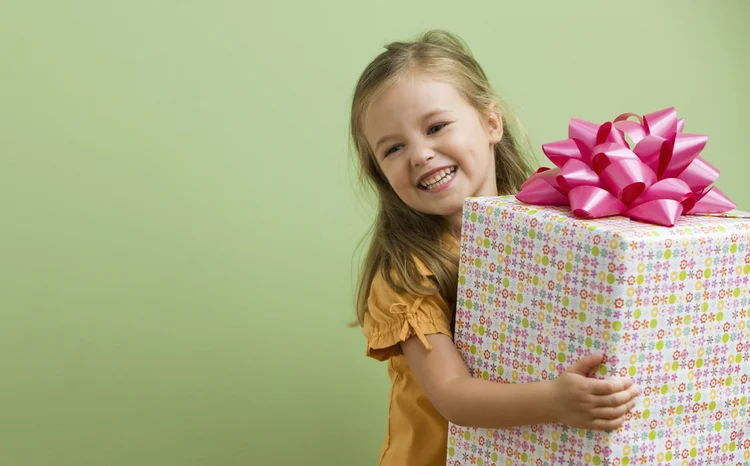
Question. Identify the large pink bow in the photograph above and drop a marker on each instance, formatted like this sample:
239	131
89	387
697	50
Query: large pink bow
599	175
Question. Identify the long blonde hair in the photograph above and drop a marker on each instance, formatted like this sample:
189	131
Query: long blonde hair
399	232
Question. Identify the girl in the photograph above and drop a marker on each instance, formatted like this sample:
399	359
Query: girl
429	132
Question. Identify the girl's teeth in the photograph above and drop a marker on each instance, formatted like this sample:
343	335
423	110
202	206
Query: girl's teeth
439	179
435	177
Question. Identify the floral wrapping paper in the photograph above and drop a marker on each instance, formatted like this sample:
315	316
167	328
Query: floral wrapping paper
670	307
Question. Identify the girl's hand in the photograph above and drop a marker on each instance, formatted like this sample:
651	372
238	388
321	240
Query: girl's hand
589	403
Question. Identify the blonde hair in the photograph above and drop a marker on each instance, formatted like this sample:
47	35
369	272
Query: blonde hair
399	232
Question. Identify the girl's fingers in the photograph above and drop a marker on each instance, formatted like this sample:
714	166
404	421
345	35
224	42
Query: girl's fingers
608	387
619	398
614	413
608	424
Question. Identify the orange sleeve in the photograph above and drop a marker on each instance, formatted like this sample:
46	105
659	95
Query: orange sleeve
394	317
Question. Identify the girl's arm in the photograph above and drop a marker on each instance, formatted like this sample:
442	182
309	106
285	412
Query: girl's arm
571	399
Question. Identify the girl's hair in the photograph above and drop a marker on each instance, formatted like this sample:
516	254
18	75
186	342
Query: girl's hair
399	232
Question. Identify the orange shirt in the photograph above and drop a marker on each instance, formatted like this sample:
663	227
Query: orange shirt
417	434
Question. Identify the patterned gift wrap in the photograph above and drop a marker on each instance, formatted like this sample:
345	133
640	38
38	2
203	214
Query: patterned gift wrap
670	307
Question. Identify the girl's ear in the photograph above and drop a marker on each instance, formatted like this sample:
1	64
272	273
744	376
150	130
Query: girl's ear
494	123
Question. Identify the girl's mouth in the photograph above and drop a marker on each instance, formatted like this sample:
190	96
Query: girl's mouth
439	179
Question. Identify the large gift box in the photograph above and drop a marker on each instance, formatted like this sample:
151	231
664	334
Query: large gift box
667	301
539	288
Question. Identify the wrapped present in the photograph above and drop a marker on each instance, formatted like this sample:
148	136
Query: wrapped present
630	257
540	288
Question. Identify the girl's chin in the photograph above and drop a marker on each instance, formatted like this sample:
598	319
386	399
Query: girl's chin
447	206
449	212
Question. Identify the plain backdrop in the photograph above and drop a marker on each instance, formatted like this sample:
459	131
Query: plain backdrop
179	214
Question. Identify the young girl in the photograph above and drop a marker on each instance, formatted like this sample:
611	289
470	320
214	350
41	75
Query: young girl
429	132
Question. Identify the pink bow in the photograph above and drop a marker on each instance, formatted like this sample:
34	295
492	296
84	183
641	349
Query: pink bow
599	175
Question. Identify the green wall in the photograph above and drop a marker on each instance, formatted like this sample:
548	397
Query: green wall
178	214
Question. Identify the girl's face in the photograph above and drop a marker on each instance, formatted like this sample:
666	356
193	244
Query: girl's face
433	147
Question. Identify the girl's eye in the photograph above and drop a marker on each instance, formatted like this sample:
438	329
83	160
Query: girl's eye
433	129
439	126
391	150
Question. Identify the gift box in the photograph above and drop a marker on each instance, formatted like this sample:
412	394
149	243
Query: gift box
670	307
623	248
539	288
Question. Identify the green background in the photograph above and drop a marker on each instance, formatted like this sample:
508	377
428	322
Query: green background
179	215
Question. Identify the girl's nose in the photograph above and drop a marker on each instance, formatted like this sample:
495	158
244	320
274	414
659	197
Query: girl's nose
421	156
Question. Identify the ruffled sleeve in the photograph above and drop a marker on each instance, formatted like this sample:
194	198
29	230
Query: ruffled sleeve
394	317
